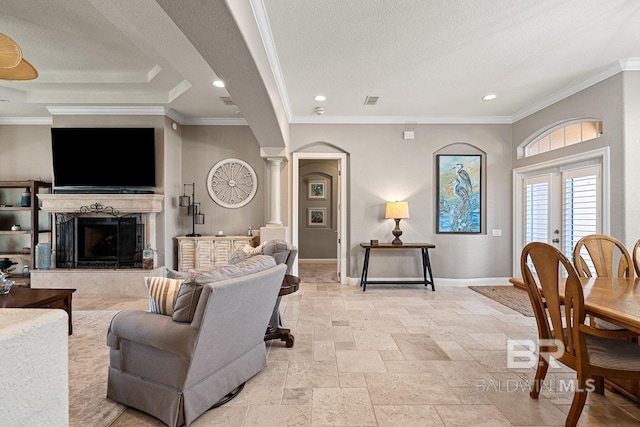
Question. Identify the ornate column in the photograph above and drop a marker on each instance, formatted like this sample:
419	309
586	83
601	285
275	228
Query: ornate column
274	228
274	192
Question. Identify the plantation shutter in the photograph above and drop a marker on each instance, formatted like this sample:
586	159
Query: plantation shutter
580	205
537	205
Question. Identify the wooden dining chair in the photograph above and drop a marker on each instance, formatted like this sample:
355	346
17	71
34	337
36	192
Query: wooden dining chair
592	353
636	258
608	255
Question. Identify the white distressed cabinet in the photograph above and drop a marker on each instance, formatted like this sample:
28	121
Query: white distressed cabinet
207	251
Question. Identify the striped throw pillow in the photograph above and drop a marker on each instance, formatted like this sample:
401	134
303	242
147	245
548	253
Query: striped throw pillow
162	294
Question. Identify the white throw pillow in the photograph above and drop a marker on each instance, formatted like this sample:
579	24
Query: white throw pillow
244	252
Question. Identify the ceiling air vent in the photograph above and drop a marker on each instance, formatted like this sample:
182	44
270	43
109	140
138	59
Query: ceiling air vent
226	100
370	100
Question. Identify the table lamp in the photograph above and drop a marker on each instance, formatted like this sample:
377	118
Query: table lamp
397	211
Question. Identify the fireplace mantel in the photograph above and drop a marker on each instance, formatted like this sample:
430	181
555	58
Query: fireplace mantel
123	203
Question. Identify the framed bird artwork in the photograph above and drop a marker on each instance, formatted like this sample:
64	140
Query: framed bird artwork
459	188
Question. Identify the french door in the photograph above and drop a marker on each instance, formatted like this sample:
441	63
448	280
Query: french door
559	205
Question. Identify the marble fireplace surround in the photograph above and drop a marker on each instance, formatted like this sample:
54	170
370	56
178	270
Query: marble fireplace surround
100	282
149	205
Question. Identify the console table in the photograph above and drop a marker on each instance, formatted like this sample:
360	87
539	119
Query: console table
426	264
207	251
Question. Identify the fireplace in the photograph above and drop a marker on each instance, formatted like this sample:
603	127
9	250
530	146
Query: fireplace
109	241
99	242
95	231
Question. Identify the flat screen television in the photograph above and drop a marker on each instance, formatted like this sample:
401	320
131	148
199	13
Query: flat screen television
114	158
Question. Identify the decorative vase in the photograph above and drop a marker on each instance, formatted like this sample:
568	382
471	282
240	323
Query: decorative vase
148	257
43	256
25	201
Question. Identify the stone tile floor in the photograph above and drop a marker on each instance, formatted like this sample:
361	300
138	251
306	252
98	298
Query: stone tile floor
397	356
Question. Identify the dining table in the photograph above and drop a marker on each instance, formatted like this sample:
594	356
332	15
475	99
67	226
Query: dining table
616	300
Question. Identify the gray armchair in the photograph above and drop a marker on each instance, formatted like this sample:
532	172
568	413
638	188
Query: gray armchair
176	371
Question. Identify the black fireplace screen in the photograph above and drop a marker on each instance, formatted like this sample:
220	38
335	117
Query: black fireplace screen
99	242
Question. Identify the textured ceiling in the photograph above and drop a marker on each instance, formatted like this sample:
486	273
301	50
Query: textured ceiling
426	60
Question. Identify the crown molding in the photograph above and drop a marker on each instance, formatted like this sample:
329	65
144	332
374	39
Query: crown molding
106	111
385	120
117	111
48	121
215	122
174	115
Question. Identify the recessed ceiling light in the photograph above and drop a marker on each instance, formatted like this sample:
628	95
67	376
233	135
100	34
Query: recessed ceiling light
218	83
489	97
320	98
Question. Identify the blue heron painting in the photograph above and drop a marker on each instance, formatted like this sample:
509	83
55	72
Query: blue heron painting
459	194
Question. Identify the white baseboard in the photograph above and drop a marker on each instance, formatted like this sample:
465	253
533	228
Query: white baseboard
317	261
480	281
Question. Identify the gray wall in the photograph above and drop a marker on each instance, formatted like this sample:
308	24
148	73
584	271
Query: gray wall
169	220
202	148
25	153
383	167
631	156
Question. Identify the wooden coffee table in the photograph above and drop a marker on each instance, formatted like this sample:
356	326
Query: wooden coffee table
22	297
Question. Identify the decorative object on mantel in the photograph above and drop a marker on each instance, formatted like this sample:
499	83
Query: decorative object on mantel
397	211
232	183
192	208
96	208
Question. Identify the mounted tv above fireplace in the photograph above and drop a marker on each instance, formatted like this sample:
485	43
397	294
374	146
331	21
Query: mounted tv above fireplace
113	159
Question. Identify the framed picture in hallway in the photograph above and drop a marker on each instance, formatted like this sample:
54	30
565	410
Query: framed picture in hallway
317	190
317	217
458	188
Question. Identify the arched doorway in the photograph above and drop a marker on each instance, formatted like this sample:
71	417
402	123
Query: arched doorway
319	208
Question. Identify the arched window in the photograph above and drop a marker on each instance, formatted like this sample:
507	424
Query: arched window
563	135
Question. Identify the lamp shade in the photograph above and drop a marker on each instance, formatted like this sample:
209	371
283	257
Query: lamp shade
397	210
